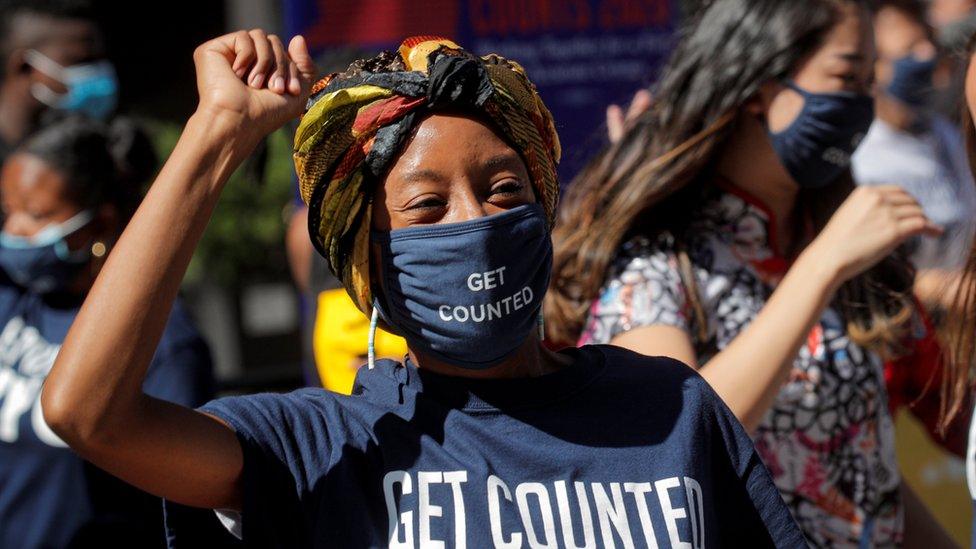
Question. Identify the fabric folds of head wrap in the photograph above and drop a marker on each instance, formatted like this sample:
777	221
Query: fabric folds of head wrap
357	122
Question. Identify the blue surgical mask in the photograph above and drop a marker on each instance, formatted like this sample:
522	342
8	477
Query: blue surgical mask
911	82
43	263
817	147
93	88
467	293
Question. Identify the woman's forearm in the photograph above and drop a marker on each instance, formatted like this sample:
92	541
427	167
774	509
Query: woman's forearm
749	373
96	381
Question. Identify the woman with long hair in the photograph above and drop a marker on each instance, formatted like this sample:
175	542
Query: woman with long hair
724	230
430	175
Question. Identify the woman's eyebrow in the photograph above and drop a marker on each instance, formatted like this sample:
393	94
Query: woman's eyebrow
503	160
853	57
420	175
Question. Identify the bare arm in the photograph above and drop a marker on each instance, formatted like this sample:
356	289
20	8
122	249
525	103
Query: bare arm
750	371
93	396
299	249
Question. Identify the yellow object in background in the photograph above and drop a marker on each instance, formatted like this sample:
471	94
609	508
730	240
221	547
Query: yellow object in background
339	341
938	477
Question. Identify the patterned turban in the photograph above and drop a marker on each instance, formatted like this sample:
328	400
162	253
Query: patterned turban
357	122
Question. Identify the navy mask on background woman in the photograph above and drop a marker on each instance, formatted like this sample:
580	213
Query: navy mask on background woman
43	263
816	148
911	82
467	293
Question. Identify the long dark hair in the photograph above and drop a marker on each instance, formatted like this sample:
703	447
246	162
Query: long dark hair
651	180
103	163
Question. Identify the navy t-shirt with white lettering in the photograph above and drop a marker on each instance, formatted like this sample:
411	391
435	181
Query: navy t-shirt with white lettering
49	497
616	450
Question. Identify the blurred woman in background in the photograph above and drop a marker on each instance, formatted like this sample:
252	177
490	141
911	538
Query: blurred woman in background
724	230
67	193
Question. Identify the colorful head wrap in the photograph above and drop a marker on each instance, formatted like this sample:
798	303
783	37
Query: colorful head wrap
357	122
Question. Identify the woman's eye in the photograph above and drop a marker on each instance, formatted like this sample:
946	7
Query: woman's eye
426	204
508	188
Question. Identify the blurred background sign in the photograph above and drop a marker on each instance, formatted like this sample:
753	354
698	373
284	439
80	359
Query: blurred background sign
582	54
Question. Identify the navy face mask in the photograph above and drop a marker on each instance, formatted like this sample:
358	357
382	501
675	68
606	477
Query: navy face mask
467	293
44	263
911	82
817	147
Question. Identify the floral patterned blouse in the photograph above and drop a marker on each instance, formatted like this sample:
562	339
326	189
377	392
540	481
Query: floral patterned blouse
829	438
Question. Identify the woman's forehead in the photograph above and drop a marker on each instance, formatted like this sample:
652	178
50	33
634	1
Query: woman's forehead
29	181
852	38
449	142
27	174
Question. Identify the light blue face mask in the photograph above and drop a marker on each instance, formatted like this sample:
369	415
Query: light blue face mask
93	88
43	263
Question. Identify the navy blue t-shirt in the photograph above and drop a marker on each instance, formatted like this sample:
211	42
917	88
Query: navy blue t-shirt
49	497
617	449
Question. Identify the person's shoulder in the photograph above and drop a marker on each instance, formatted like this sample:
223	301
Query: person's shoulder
298	401
660	389
622	357
267	415
664	382
661	373
310	408
299	435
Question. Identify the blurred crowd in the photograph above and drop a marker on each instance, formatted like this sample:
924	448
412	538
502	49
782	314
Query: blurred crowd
678	239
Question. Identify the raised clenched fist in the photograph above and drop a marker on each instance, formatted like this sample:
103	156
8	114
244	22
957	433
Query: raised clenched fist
249	79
